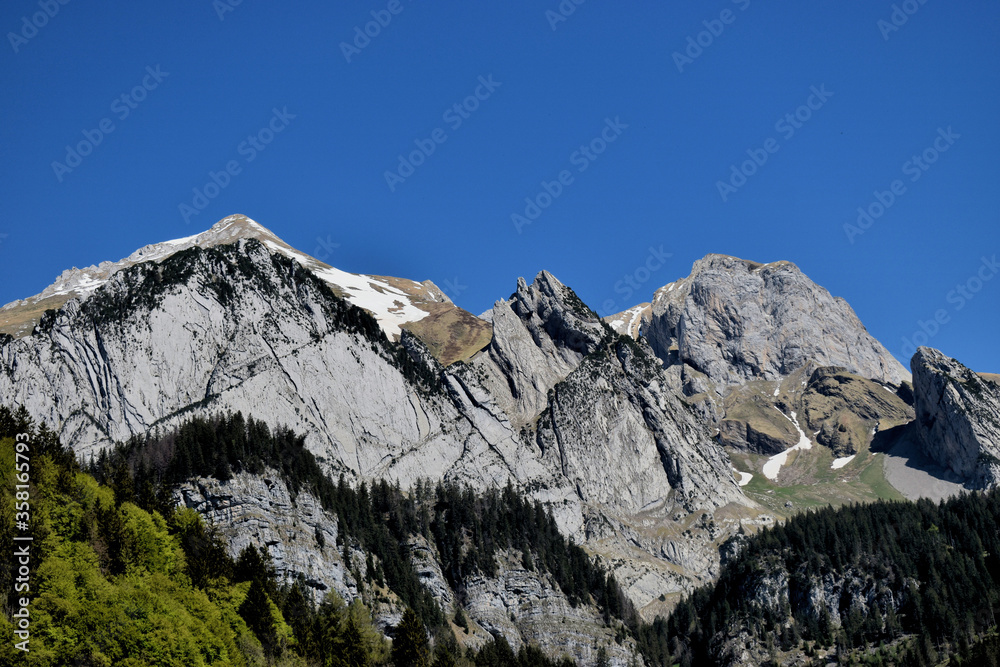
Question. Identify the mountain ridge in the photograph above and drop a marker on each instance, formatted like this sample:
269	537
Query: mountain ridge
241	327
395	302
631	431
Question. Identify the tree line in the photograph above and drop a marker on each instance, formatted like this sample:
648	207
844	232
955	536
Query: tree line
926	576
932	569
467	527
117	581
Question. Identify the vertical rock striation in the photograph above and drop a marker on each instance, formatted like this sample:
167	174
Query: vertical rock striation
735	320
958	416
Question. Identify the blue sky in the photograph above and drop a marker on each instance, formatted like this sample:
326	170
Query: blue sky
592	115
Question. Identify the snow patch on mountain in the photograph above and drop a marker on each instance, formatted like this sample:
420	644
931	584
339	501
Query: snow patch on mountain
841	462
630	322
391	305
774	464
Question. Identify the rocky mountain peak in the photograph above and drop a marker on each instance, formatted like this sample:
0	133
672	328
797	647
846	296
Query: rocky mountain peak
958	416
228	230
730	263
19	317
540	335
929	360
549	305
395	302
736	320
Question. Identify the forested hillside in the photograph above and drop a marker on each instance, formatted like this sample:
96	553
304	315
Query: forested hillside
467	527
115	581
120	576
889	583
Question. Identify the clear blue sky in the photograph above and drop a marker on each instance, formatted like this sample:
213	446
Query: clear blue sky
322	176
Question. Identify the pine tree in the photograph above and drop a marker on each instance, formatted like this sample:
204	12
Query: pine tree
460	619
409	646
444	652
351	648
256	611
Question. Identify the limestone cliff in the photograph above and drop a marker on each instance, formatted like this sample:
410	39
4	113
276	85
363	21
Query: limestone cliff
736	320
958	416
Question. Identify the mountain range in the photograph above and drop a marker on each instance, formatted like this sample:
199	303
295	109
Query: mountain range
657	438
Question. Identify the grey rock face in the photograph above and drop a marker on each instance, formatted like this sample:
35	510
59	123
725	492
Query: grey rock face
241	327
958	416
428	566
540	335
258	510
834	594
628	443
159	343
160	340
527	607
736	320
599	405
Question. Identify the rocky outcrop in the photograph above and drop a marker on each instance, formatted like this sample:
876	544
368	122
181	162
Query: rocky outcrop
540	335
756	437
258	510
736	320
957	417
771	590
754	423
613	420
244	327
526	606
845	410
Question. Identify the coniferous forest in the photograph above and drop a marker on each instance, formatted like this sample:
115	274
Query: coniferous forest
929	574
122	577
